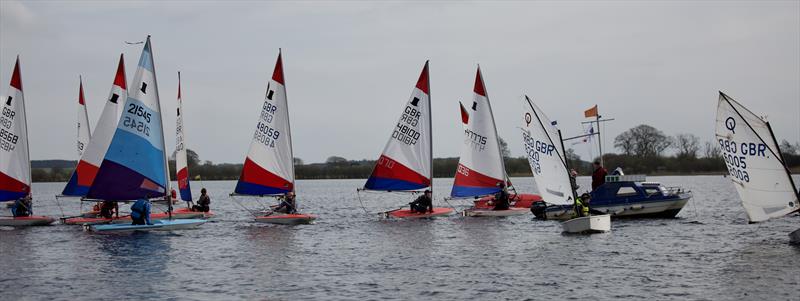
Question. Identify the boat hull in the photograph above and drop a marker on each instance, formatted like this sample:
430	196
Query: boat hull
794	237
286	219
406	213
667	208
522	200
475	212
588	224
126	219
26	221
159	225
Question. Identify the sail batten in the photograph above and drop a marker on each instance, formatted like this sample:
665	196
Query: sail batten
134	166
405	163
269	165
754	162
480	168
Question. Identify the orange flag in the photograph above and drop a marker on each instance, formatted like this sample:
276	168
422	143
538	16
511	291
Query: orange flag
590	112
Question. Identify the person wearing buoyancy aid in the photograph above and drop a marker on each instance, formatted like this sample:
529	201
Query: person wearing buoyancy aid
423	203
287	205
501	198
107	209
22	207
140	212
582	205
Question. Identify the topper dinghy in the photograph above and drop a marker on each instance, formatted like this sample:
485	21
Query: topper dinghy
549	167
405	165
135	165
15	164
182	165
755	163
481	170
269	166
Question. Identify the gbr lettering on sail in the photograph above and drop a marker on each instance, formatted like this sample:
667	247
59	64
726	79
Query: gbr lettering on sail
8	140
737	155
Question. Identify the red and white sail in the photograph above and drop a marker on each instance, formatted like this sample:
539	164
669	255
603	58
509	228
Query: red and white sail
84	174
405	163
480	169
84	131
181	161
269	166
15	168
755	162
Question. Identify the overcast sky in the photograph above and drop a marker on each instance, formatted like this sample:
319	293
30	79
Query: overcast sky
350	66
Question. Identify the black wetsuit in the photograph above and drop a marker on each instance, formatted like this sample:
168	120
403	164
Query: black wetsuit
203	204
422	204
501	200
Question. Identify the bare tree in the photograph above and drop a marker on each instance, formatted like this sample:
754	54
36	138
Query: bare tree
687	145
712	151
503	147
625	142
643	140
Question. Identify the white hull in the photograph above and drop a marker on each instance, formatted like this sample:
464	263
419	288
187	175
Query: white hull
26	221
588	224
794	237
488	212
625	210
159	225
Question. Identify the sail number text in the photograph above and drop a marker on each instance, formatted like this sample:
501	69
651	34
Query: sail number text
534	149
8	140
736	154
405	130
142	125
266	134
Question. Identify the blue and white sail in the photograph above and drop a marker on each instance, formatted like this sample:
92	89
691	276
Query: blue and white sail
135	164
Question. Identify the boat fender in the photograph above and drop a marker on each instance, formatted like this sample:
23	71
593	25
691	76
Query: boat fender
637	207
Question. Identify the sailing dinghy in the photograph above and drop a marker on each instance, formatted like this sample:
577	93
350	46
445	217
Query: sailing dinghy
269	166
135	163
182	165
549	166
15	164
405	165
755	163
481	170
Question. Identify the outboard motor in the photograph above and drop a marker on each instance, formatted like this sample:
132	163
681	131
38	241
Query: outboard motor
539	209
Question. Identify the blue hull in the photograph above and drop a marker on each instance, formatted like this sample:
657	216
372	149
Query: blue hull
158	225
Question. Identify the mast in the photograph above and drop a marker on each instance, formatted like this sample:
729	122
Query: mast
25	125
783	162
288	124
430	123
599	141
494	126
163	141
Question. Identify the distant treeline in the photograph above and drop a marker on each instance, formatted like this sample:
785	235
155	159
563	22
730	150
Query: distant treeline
642	147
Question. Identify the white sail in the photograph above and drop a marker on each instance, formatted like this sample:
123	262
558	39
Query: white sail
181	161
269	166
84	174
754	162
15	168
545	154
84	132
480	168
405	163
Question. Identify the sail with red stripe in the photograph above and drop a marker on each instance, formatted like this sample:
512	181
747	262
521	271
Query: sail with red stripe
480	169
86	170
405	163
181	162
269	166
135	164
84	131
15	168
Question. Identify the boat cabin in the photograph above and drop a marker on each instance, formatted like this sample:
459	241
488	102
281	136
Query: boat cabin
633	188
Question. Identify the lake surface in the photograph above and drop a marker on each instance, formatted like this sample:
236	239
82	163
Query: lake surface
708	253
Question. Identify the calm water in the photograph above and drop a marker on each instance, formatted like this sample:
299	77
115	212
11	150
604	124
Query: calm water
708	253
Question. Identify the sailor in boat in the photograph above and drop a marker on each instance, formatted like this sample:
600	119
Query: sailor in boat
108	208
287	205
423	203
203	203
573	176
582	205
22	207
598	175
140	212
501	198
